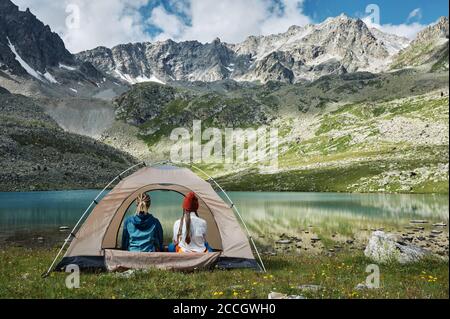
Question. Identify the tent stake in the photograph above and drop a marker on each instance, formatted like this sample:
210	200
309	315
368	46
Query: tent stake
233	206
44	275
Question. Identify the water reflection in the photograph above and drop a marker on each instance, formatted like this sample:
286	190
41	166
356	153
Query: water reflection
279	212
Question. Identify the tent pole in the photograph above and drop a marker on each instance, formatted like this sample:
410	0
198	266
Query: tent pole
72	233
237	212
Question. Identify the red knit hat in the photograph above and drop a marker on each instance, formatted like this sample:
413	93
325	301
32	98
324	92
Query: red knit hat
190	202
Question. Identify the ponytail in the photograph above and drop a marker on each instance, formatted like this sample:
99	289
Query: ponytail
185	219
143	202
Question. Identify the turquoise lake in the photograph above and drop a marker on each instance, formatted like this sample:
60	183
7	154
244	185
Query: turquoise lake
25	215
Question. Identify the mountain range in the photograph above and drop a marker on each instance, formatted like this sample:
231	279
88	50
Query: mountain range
357	109
336	46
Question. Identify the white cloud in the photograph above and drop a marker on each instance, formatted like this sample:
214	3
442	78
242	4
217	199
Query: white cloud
111	22
230	20
415	14
102	22
407	30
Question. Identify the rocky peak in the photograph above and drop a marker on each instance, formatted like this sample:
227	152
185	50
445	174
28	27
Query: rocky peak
429	48
440	30
33	41
339	44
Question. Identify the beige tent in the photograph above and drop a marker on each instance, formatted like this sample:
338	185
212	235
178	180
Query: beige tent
95	245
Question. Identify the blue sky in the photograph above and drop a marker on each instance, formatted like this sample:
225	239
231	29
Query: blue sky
111	22
391	11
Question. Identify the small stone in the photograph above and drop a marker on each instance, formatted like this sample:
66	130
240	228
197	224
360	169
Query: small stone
350	241
310	287
440	225
418	221
277	295
315	238
284	242
436	232
361	287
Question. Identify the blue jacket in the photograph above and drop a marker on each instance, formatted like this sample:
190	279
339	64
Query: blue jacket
142	233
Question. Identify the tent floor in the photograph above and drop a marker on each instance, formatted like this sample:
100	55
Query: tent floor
120	260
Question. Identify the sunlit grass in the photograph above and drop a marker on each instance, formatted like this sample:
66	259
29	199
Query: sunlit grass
338	276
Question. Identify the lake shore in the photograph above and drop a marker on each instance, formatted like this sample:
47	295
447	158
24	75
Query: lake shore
337	276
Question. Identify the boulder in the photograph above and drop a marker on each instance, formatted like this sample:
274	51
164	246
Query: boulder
277	295
383	247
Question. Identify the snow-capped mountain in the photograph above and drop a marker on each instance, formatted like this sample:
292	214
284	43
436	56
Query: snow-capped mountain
27	45
338	45
34	60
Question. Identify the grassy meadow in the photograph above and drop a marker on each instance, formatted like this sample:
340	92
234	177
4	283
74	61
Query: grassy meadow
337	275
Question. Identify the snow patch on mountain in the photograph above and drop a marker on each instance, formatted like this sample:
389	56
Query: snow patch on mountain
23	63
139	79
66	67
50	78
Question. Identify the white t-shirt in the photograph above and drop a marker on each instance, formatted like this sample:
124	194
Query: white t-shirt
198	235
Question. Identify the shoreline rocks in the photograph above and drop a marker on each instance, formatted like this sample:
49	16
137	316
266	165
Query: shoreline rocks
383	248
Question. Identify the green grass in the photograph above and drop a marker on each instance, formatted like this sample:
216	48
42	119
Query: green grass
335	178
21	269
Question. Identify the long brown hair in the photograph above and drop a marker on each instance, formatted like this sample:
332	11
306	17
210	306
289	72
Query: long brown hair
186	217
190	204
143	203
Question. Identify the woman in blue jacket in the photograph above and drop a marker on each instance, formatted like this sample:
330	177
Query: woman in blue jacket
142	232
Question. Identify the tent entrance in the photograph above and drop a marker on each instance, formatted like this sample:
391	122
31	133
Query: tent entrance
112	236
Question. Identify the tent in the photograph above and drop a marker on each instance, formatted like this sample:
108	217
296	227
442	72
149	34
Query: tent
95	244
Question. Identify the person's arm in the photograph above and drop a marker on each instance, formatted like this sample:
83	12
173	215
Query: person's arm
125	236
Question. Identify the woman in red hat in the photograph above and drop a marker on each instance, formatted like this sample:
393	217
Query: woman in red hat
189	232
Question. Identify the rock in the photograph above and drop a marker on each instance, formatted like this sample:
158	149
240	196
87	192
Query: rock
363	286
40	238
284	242
384	247
349	241
315	238
312	288
126	274
419	221
407	238
63	228
436	232
277	295
440	225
